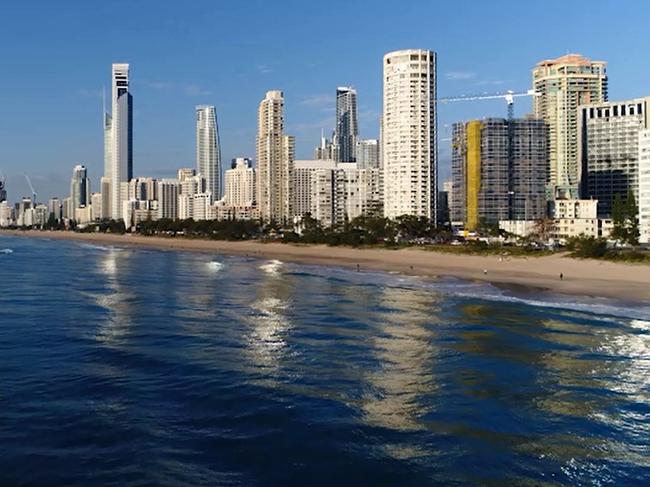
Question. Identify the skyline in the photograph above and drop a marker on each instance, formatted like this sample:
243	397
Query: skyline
48	83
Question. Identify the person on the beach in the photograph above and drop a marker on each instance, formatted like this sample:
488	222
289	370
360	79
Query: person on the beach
485	272
561	276
357	267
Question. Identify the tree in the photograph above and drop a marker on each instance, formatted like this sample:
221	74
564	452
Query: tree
625	219
544	229
588	247
632	219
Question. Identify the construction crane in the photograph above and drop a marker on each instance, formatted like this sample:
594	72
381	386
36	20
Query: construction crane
33	190
509	96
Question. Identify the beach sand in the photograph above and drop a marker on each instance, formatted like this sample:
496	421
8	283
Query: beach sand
586	277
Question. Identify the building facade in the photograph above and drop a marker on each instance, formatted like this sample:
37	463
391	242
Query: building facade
562	85
367	155
409	150
498	171
80	187
208	149
3	190
168	192
240	183
118	138
346	130
609	150
301	183
275	154
644	186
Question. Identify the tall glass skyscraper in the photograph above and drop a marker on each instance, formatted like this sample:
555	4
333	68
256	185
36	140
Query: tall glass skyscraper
208	150
347	127
118	138
79	187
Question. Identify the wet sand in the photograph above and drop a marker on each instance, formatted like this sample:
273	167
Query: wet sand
628	282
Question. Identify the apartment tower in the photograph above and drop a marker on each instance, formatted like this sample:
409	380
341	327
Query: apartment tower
347	126
562	85
275	154
609	150
409	150
208	151
498	171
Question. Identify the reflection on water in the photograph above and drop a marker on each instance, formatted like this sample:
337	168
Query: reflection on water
230	371
269	323
118	320
404	348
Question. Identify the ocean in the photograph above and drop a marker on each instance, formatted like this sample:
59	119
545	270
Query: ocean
130	367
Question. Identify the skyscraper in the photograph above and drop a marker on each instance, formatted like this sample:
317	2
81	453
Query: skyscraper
275	154
347	127
562	85
498	171
208	151
118	138
409	149
609	149
79	187
3	191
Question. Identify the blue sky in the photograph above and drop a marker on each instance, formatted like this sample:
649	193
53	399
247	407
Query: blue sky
56	57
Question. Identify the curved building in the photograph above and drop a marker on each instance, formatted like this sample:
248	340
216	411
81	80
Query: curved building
409	148
208	151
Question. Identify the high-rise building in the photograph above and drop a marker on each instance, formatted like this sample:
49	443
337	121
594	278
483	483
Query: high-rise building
118	138
79	187
301	183
275	153
106	198
96	206
54	208
240	183
168	192
208	150
409	150
643	200
344	192
346	130
609	149
498	171
6	214
562	85
191	185
367	154
3	190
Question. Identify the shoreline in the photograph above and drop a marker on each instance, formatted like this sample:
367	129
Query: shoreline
593	278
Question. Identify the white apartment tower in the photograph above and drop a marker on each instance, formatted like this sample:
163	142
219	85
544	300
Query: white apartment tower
118	138
409	148
609	149
562	85
643	200
208	151
275	153
240	183
347	126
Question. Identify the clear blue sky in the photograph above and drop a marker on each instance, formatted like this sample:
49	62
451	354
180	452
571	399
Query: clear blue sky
56	57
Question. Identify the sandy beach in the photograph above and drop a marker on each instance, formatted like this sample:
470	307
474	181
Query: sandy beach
627	282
